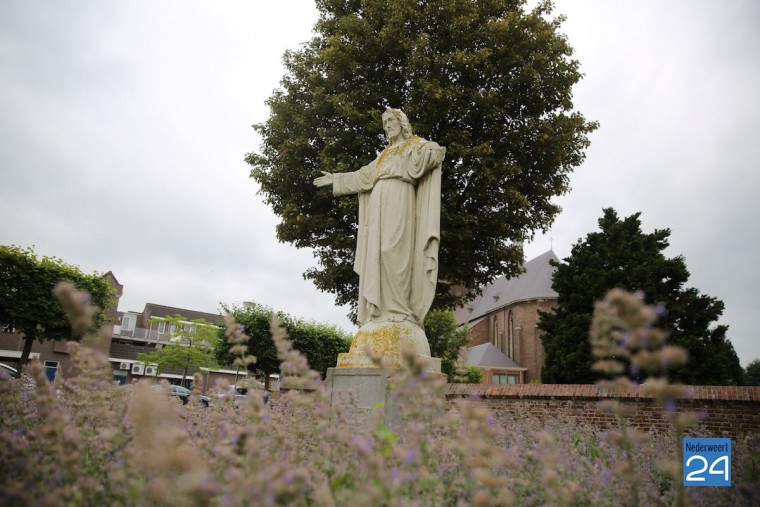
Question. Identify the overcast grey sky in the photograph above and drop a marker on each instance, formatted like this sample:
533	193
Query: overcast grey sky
123	127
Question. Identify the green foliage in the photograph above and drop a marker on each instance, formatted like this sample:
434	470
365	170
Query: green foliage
622	256
192	345
488	80
445	339
320	343
27	304
472	375
752	373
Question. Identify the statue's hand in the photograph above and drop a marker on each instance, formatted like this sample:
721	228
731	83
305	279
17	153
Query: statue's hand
325	180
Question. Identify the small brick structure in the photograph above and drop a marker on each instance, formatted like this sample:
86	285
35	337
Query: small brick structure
726	410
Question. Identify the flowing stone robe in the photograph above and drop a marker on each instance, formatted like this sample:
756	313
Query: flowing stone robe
399	230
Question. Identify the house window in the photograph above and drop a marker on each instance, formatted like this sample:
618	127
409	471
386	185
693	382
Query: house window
499	378
513	379
128	323
161	327
120	377
51	369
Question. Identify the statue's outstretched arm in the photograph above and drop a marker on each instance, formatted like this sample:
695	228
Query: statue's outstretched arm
325	180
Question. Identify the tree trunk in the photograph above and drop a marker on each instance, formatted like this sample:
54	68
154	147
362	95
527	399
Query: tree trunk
28	342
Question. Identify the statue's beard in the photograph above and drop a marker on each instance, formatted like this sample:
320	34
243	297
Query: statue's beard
391	134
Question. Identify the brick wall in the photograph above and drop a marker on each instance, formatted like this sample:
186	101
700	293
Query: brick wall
731	411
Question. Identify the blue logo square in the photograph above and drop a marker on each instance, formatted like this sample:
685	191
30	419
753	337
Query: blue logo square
706	461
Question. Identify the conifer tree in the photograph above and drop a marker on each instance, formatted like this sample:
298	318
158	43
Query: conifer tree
622	256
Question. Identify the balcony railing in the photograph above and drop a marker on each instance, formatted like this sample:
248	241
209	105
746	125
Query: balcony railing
141	334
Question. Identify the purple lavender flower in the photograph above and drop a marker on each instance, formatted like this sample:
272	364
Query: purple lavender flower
410	457
361	444
605	475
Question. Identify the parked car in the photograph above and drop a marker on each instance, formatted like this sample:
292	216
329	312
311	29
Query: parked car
8	369
241	393
183	393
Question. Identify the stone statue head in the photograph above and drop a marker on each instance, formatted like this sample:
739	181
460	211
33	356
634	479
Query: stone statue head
406	127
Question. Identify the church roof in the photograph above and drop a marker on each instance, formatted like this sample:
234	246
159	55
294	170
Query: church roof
488	356
534	283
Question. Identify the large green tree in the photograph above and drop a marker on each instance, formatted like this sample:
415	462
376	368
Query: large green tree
622	256
752	373
320	343
487	79
27	303
192	344
445	339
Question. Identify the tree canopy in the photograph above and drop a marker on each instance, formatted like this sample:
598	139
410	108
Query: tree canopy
27	303
192	345
622	256
752	373
487	79
320	343
445	339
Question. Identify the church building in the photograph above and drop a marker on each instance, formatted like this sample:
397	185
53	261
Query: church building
506	343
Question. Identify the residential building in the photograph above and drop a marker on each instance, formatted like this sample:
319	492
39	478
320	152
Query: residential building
131	333
144	332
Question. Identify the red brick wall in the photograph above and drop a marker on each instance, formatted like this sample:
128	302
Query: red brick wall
732	411
479	333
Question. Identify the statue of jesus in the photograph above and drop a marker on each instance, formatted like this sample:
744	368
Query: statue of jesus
399	224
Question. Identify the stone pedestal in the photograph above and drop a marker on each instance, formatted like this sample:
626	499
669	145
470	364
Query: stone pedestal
370	387
388	338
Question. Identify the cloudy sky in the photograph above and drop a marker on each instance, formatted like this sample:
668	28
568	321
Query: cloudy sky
123	127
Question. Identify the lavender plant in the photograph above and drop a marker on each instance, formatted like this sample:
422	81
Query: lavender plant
89	442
